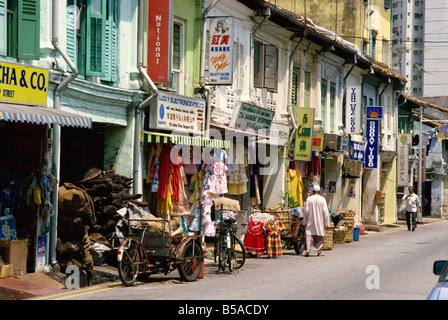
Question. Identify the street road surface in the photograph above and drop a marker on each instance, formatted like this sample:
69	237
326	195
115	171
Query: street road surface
395	264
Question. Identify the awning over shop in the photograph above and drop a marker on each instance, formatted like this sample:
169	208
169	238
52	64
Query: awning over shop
158	137
42	115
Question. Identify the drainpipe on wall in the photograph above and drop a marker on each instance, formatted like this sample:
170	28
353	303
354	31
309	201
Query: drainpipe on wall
139	109
57	127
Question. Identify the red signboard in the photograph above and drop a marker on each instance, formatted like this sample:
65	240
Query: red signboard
159	40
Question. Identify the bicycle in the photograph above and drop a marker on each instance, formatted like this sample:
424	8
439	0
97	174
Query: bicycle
229	249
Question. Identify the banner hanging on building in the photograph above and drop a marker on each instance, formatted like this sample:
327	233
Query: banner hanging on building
23	84
403	143
304	135
220	51
371	151
353	110
160	24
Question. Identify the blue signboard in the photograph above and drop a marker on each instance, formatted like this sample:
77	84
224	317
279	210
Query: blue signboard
374	112
356	151
371	151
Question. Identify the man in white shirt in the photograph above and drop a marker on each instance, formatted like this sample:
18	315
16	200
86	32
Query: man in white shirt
315	219
412	206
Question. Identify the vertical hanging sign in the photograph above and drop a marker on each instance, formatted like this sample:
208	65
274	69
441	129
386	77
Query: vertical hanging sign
160	24
353	110
304	135
371	150
404	141
220	51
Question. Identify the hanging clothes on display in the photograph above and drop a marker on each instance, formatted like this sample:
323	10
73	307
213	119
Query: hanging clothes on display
253	241
254	193
295	184
181	206
273	228
236	175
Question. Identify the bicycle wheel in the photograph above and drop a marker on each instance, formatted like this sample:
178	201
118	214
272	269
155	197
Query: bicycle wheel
129	264
192	261
238	252
221	252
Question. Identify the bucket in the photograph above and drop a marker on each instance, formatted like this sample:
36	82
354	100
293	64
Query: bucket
356	234
361	230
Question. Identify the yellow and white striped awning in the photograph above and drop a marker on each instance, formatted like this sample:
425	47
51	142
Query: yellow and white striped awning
158	137
42	115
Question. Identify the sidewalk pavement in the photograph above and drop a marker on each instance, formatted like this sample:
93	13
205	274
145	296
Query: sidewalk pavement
35	284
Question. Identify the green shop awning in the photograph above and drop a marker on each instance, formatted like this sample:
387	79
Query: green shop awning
158	137
42	115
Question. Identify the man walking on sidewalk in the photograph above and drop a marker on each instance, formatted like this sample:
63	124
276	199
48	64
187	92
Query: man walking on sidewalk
315	219
412	206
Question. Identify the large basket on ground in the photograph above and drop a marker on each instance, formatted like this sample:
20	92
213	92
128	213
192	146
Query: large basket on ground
348	216
339	236
329	238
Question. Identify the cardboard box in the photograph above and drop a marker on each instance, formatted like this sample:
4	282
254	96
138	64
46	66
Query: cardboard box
6	271
15	252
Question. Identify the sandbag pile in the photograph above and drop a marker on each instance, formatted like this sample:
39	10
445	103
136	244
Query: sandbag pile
88	216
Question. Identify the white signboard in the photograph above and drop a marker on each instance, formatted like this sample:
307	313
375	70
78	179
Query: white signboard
176	112
220	51
353	110
247	116
404	140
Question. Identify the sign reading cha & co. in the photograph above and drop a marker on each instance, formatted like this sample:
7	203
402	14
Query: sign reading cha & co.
23	84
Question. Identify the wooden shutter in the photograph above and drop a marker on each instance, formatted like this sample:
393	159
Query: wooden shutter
72	46
28	29
307	90
332	105
3	28
110	45
96	34
295	91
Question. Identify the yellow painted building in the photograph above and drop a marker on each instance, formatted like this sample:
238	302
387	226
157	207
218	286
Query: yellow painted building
366	23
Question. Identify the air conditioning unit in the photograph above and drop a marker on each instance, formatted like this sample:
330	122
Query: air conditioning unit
332	142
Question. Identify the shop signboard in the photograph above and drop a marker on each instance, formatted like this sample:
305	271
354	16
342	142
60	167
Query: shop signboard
356	151
374	112
371	150
175	112
247	116
304	134
318	141
353	110
23	84
403	143
220	51
159	40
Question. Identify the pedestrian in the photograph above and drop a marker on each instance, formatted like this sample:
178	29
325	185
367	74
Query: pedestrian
315	219
412	206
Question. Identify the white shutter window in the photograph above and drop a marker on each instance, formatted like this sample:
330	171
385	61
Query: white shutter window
3	28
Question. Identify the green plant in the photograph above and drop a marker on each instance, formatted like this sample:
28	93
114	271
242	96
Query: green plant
292	202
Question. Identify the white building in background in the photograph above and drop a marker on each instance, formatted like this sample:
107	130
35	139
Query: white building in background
419	45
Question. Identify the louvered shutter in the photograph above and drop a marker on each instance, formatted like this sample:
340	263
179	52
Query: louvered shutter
3	28
72	46
96	34
28	29
110	45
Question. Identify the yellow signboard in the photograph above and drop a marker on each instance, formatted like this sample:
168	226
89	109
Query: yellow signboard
23	84
304	134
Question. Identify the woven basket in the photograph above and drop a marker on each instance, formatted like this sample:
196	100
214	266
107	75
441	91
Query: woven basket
349	234
339	236
328	240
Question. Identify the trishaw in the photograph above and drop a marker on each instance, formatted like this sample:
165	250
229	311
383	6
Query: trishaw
143	252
